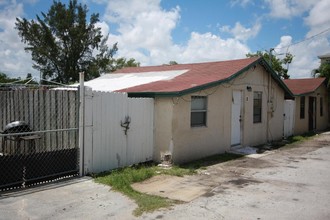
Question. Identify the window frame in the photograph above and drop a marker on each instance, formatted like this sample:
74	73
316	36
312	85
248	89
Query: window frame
202	111
257	115
302	107
321	106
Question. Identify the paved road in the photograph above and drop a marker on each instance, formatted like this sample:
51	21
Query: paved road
285	184
289	183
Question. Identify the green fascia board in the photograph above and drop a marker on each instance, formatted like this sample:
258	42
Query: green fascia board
260	61
288	92
303	94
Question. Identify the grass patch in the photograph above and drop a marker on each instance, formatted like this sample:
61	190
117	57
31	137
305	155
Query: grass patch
121	180
300	138
286	143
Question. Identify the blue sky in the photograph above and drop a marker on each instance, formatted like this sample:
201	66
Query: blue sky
157	31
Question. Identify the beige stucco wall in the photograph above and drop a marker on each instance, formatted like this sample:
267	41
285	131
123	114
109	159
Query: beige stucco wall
322	121
302	125
172	119
271	126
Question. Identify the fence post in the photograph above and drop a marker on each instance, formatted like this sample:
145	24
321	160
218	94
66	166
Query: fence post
81	123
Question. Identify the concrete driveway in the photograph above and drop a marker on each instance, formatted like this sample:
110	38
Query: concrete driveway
79	198
289	183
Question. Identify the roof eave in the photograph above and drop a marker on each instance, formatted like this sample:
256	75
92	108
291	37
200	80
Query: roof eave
311	92
288	92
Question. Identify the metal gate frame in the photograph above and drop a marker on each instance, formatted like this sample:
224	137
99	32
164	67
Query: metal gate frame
53	115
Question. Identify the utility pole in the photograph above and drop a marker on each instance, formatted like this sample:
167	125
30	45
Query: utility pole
270	56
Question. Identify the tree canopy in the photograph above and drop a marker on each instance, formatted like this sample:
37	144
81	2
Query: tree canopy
63	43
6	79
121	63
276	63
323	71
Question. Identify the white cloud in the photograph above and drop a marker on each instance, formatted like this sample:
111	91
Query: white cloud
305	55
210	47
242	3
14	60
289	8
142	24
242	33
144	29
145	34
318	18
105	30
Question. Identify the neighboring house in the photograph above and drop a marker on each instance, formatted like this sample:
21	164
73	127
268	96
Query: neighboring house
203	109
311	104
325	58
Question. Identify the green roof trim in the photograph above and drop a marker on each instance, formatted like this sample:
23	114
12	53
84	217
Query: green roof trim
265	64
303	94
261	61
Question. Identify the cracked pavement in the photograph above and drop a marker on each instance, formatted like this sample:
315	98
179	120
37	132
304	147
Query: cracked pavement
288	183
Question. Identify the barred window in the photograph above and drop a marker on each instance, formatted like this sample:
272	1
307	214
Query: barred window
302	107
321	106
257	107
198	111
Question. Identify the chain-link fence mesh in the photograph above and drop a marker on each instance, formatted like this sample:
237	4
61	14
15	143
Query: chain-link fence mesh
38	133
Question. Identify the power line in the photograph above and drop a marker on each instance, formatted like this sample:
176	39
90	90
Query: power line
309	38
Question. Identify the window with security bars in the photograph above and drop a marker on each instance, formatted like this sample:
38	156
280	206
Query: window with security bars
302	107
257	107
198	111
321	106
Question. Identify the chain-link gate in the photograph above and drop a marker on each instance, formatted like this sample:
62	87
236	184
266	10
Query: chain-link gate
38	134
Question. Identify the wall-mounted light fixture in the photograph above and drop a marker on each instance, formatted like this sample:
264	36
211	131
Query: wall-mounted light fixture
249	88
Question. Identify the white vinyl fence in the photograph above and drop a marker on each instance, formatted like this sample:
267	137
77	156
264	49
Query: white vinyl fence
118	130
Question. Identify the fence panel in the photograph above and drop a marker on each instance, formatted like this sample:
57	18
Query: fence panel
112	144
140	134
37	125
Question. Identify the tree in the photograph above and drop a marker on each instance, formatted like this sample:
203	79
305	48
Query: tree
276	63
5	79
63	43
28	75
121	63
323	71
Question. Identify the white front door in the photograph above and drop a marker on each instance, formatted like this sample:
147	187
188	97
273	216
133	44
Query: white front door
289	111
236	118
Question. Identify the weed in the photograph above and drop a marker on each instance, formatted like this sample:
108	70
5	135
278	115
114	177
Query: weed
121	180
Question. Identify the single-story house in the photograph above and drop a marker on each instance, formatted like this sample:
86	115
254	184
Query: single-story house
325	58
203	109
311	104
